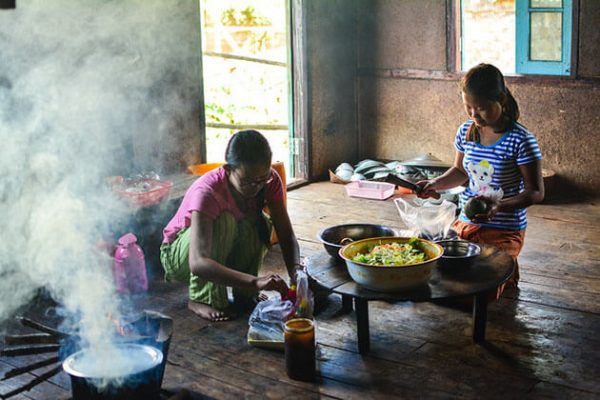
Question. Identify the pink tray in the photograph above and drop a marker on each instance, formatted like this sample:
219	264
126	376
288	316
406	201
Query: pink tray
370	190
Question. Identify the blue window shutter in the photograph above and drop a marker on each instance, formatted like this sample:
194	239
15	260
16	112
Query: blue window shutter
523	63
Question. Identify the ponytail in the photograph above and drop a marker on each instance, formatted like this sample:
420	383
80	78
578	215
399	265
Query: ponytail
512	108
264	233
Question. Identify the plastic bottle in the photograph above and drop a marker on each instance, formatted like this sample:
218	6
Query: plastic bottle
130	266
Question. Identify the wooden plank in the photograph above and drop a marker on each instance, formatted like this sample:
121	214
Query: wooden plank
578	213
225	355
533	338
562	298
272	367
545	390
43	391
541	341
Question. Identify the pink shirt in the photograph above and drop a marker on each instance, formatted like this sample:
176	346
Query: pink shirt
210	194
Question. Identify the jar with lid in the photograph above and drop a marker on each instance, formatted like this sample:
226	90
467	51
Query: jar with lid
299	340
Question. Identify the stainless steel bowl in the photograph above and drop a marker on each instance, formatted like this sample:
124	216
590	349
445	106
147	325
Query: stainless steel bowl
334	237
458	253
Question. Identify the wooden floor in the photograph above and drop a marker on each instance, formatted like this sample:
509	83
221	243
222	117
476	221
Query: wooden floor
542	341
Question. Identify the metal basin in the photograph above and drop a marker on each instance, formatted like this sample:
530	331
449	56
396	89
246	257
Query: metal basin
334	237
393	277
458	253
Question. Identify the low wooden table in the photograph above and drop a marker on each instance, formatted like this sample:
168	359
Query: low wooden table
492	268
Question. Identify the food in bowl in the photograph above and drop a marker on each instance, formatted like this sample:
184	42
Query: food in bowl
395	253
392	277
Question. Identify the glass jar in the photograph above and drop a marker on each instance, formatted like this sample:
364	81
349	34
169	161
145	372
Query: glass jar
299	338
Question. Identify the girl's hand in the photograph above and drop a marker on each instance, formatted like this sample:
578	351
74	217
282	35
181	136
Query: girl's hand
492	209
271	282
427	189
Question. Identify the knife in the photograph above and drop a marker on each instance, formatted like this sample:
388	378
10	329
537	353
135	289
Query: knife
409	185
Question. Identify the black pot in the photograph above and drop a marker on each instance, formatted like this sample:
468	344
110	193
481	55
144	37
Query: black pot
334	237
142	384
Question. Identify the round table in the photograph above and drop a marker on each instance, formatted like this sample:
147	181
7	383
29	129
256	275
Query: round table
489	270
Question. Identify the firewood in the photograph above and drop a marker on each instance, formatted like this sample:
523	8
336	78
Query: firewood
25	351
40	327
21	370
31	338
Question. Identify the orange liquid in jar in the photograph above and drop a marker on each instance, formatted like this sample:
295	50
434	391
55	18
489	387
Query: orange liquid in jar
299	337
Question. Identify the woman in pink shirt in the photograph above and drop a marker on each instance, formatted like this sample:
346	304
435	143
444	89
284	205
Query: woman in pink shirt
219	235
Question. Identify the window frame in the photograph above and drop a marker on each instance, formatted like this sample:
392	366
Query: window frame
454	39
523	65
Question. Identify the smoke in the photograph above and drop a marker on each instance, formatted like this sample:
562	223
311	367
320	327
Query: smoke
87	90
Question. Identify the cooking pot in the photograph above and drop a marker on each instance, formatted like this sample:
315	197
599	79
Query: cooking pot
141	382
334	237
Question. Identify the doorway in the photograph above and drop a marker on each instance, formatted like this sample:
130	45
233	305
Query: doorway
247	78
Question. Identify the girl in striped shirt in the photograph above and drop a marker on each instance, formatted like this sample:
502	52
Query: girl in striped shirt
499	159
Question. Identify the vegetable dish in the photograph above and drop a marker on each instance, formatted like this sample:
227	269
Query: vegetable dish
392	254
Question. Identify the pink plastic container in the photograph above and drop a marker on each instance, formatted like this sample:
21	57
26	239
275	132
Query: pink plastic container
370	190
130	266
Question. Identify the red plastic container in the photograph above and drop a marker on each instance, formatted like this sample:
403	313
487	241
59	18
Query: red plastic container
158	191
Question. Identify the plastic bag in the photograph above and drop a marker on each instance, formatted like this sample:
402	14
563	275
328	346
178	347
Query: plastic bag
427	220
305	302
267	320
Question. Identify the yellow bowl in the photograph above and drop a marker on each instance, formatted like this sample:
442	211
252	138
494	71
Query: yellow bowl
390	278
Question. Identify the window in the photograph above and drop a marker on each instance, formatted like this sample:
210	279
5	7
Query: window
544	37
518	36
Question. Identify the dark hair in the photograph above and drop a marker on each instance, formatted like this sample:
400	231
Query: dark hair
487	82
250	147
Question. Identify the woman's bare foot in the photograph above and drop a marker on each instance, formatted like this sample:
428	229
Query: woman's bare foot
207	312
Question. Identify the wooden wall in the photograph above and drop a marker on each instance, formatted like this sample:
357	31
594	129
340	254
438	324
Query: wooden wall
331	64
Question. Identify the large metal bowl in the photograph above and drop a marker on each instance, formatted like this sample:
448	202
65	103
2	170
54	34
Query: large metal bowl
334	237
458	253
393	277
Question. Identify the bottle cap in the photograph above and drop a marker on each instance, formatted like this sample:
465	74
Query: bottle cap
127	239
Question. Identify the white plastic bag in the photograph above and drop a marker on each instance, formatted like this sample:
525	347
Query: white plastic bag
267	319
427	220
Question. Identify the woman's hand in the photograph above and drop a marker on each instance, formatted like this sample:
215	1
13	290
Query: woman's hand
271	282
428	189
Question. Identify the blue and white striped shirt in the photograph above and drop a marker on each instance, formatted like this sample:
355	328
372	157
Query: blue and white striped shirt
494	171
